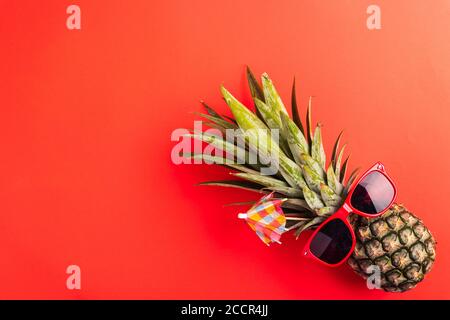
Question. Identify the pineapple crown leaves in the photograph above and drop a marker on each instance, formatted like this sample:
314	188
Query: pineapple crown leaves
314	191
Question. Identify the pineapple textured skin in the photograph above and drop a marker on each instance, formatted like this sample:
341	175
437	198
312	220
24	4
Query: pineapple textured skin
398	243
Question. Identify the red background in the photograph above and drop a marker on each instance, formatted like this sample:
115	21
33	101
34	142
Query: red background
86	117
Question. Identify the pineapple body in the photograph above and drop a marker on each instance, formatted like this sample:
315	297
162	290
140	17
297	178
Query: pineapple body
398	243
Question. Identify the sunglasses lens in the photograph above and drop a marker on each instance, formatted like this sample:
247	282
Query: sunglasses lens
332	243
373	194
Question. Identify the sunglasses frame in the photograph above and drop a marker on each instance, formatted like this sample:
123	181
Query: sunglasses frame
344	211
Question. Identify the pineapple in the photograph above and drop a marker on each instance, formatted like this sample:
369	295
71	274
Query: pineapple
398	243
314	190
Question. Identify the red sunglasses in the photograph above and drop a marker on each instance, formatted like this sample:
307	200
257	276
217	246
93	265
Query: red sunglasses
371	196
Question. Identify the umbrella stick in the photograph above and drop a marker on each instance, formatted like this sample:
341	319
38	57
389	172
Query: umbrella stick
296	218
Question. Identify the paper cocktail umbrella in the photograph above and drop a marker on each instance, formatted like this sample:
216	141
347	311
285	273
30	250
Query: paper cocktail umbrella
267	219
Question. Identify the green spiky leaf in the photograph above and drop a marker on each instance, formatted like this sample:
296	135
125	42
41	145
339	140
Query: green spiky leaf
337	164
218	120
295	138
262	180
272	98
245	185
306	159
297	226
313	223
350	180
231	119
210	159
287	191
344	170
246	119
292	172
317	151
353	176
335	150
270	116
227	162
255	88
312	179
216	141
296	203
312	198
215	126
210	110
326	211
308	121
295	114
330	198
332	180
